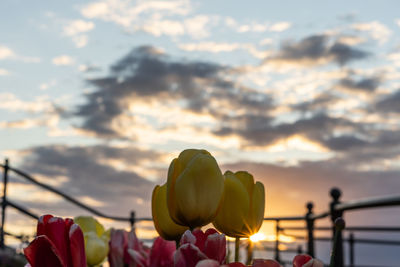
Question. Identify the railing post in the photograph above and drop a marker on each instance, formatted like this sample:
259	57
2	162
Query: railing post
4	204
310	229
299	250
335	194
351	249
132	220
277	230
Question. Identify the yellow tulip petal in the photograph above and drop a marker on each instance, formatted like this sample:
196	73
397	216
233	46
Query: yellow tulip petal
161	218
198	191
89	224
96	249
234	208
256	216
247	180
173	172
189	154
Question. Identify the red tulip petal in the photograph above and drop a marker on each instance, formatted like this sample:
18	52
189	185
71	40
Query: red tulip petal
58	234
188	255
41	252
137	259
41	226
162	253
117	244
208	263
211	231
215	247
77	246
300	260
200	238
265	263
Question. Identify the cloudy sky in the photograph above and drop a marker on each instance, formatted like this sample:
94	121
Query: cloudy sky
97	98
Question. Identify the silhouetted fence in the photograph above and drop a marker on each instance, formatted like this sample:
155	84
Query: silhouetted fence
336	209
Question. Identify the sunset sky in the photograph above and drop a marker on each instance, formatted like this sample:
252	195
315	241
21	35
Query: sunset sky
97	98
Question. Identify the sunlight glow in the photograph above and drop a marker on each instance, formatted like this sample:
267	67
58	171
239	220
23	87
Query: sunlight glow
257	237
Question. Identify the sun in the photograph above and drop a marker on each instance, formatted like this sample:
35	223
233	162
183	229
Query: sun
257	237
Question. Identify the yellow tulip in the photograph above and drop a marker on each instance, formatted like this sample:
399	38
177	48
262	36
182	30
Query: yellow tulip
163	223
242	209
194	188
96	239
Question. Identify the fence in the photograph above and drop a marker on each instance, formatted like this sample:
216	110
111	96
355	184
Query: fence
336	209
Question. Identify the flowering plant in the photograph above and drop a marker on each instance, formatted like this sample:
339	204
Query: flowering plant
195	194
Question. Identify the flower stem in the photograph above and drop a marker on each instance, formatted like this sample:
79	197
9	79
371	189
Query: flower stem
250	252
237	242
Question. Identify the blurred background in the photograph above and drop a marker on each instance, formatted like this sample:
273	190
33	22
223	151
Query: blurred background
97	97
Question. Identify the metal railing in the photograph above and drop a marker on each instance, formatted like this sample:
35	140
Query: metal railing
336	210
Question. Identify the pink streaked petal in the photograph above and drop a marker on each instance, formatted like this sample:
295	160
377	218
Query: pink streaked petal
162	253
117	244
188	237
77	246
265	263
300	260
41	226
207	263
188	255
41	252
137	259
314	263
215	247
133	241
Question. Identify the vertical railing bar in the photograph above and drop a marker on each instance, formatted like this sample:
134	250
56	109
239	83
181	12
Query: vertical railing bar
351	249
310	229
4	204
277	230
338	254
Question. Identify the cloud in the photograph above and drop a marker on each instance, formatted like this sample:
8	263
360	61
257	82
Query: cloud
146	74
76	27
368	84
280	26
128	14
390	103
261	130
101	174
255	26
376	29
8	53
5	52
63	60
4	72
88	68
316	49
291	187
214	47
318	104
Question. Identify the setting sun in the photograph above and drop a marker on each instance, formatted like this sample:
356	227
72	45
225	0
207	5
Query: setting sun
257	237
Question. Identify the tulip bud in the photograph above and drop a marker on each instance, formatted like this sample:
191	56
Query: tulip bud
96	239
194	188
96	249
163	223
242	209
